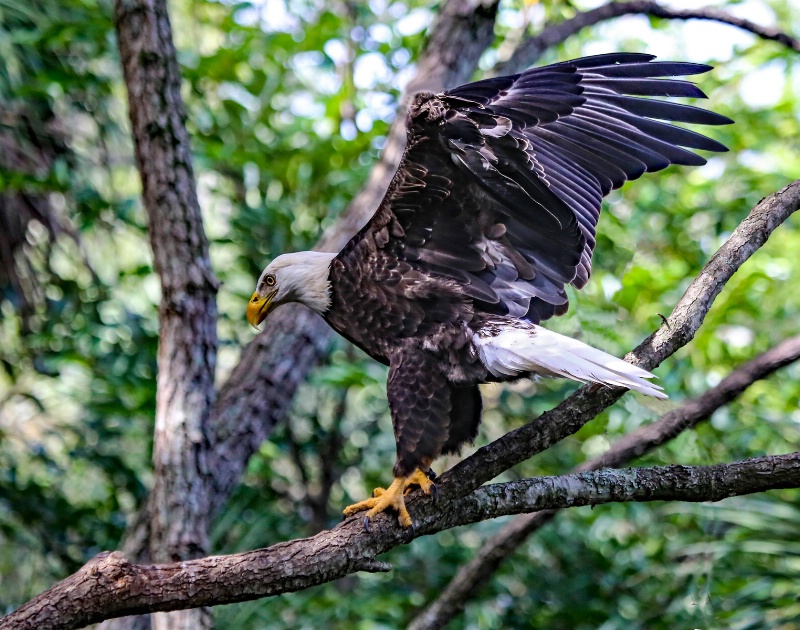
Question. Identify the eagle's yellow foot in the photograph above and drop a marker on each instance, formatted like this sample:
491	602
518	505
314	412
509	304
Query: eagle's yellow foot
392	497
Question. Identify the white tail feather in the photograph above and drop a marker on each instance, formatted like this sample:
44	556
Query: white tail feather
520	348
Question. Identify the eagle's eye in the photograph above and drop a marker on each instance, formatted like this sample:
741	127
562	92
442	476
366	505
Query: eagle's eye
270	280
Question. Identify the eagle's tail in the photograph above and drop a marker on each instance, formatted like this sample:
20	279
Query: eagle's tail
514	349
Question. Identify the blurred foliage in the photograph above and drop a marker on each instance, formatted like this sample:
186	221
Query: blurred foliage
288	104
77	359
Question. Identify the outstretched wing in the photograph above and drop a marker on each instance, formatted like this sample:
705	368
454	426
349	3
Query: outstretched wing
502	180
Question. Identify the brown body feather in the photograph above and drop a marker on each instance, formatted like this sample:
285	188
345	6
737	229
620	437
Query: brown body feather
421	326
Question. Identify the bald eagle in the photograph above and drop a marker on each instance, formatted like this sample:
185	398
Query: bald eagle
490	215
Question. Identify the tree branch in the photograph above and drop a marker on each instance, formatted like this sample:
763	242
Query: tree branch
533	48
694	411
110	586
471	577
660	483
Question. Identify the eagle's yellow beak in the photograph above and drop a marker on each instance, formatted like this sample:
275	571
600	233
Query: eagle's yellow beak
258	308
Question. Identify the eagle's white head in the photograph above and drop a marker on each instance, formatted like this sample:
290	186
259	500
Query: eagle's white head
300	277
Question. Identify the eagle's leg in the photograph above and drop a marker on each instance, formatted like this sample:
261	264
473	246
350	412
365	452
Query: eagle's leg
420	402
393	497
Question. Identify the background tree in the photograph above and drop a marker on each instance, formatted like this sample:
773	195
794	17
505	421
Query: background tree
288	109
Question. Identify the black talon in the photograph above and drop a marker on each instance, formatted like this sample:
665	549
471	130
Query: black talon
431	474
366	524
434	493
411	533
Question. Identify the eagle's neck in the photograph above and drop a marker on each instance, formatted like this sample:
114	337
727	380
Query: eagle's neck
309	276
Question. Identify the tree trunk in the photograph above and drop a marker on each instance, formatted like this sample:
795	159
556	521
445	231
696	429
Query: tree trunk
179	501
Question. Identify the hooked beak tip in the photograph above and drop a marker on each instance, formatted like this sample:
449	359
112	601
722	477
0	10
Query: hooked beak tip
257	309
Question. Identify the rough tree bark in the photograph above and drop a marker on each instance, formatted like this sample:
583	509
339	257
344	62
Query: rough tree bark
471	577
110	585
179	501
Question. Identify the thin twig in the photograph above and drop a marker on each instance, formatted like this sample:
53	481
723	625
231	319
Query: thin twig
533	48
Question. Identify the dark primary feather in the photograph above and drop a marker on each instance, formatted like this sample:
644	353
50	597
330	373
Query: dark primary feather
502	180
